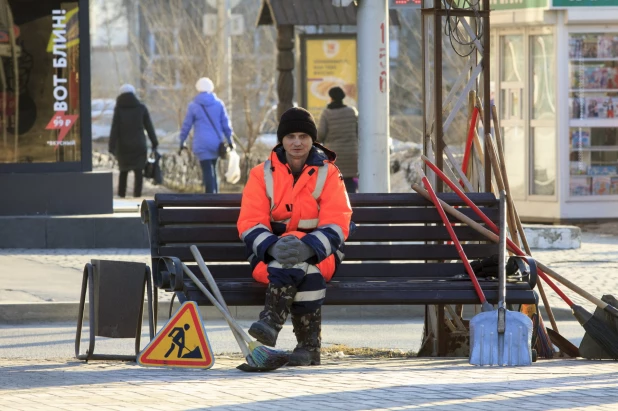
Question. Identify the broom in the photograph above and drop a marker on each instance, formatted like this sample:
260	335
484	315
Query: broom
602	334
259	357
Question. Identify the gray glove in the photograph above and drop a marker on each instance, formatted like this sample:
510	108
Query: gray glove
289	250
304	252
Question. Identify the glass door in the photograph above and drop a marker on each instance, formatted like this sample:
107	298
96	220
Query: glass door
511	105
542	115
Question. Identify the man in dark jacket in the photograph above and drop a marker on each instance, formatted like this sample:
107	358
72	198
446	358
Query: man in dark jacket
127	141
338	131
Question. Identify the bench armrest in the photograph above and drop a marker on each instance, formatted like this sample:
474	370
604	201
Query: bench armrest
168	274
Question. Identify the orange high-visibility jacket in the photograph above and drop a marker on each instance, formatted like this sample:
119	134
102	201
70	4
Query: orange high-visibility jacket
317	204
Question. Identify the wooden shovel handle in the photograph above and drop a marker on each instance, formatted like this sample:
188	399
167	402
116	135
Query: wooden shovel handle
513	211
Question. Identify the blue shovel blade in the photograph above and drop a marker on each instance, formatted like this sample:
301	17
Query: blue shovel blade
511	348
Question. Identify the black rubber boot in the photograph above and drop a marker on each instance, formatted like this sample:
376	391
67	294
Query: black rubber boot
308	331
276	311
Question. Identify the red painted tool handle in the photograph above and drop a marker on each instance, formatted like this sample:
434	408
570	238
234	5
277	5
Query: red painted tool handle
468	151
492	226
451	232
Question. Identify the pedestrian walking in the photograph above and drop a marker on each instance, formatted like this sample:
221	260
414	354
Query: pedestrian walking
338	131
127	141
294	219
207	116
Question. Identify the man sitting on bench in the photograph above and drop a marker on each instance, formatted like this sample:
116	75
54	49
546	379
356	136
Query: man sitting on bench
294	218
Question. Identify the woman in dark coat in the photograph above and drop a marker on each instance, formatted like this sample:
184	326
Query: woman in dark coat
127	141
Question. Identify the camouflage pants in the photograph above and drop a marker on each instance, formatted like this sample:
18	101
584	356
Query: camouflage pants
305	279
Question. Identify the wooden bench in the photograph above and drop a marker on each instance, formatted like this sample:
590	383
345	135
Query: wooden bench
398	255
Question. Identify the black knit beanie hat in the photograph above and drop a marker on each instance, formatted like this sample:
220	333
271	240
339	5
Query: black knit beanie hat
336	93
297	120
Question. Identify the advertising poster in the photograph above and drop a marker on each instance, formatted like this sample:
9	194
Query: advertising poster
328	62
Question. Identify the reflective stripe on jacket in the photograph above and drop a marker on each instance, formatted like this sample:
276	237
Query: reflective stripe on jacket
317	204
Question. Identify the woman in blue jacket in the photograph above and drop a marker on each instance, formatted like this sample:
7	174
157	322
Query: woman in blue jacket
207	115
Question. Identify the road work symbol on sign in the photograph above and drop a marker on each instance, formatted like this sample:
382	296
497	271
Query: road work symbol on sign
182	342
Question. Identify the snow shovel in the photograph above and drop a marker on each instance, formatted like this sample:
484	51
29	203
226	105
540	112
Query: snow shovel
501	337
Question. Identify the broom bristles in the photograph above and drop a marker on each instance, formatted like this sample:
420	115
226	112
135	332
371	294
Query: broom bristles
268	358
545	347
604	336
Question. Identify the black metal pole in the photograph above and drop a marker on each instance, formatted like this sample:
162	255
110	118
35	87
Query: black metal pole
437	53
486	92
85	112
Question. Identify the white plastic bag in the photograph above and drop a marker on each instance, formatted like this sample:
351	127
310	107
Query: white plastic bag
232	175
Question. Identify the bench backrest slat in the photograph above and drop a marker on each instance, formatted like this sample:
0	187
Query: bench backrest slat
356	200
399	215
406	252
229	233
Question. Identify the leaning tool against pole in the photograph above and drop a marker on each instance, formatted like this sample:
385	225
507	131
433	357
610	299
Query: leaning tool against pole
520	229
544	346
601	333
546	271
488	329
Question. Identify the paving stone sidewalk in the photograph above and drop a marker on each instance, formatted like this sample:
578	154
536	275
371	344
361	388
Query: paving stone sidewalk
593	267
338	384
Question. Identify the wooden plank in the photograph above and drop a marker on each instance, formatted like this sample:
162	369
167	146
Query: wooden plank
229	233
356	200
435	285
412	215
198	216
197	200
413	233
405	252
196	235
350	271
369	215
363	295
417	251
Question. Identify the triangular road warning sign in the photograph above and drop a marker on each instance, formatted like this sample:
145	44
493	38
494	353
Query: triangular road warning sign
182	342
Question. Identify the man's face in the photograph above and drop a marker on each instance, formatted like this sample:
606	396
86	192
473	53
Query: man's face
297	145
